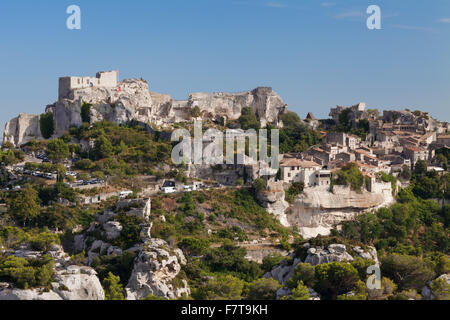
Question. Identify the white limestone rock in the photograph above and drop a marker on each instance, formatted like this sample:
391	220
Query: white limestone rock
273	200
317	211
112	229
155	268
335	252
22	129
70	282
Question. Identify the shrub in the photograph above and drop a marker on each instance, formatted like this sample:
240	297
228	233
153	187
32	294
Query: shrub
294	190
84	164
27	273
350	175
303	272
271	261
231	259
440	289
335	278
194	246
46	123
248	119
86	112
263	289
259	185
113	288
223	287
57	150
408	272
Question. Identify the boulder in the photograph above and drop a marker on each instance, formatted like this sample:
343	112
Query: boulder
316	211
335	252
154	272
70	282
272	199
112	229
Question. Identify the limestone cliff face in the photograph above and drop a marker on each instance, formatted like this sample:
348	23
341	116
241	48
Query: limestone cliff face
316	211
132	100
70	281
22	129
273	200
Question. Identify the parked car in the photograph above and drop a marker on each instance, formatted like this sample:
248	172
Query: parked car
168	190
124	194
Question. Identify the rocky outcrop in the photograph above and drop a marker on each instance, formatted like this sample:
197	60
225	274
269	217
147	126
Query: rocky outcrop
316	211
22	129
334	253
70	282
272	199
157	266
427	293
156	271
132	100
318	255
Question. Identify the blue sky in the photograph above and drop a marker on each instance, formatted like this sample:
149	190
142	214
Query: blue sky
315	54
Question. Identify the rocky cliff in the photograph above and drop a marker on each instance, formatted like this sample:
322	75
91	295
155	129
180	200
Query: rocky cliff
70	281
157	265
316	211
132	100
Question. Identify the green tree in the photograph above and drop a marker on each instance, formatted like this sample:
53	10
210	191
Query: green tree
303	272
259	184
86	112
113	288
103	148
46	124
421	167
408	272
335	278
290	119
300	292
195	112
248	119
223	287
57	150
405	174
263	289
440	289
271	261
24	205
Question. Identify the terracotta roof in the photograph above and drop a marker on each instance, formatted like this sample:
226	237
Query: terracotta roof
415	149
299	163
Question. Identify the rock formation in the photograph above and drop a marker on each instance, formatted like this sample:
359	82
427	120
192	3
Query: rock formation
22	129
70	282
316	211
272	199
132	100
155	272
318	255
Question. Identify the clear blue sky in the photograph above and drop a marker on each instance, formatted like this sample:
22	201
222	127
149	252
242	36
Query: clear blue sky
315	54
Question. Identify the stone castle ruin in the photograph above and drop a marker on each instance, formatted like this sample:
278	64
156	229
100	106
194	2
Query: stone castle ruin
102	79
131	100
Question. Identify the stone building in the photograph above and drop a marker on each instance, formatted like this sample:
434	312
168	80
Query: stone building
415	154
296	170
102	79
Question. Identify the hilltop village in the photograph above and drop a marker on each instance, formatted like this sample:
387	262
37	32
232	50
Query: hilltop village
88	188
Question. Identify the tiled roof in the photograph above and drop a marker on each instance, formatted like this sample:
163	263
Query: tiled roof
299	163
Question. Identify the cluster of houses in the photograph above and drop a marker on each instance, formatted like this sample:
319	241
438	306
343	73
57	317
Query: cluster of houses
395	139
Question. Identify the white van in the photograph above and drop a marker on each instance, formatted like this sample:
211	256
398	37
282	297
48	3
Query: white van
167	190
124	194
